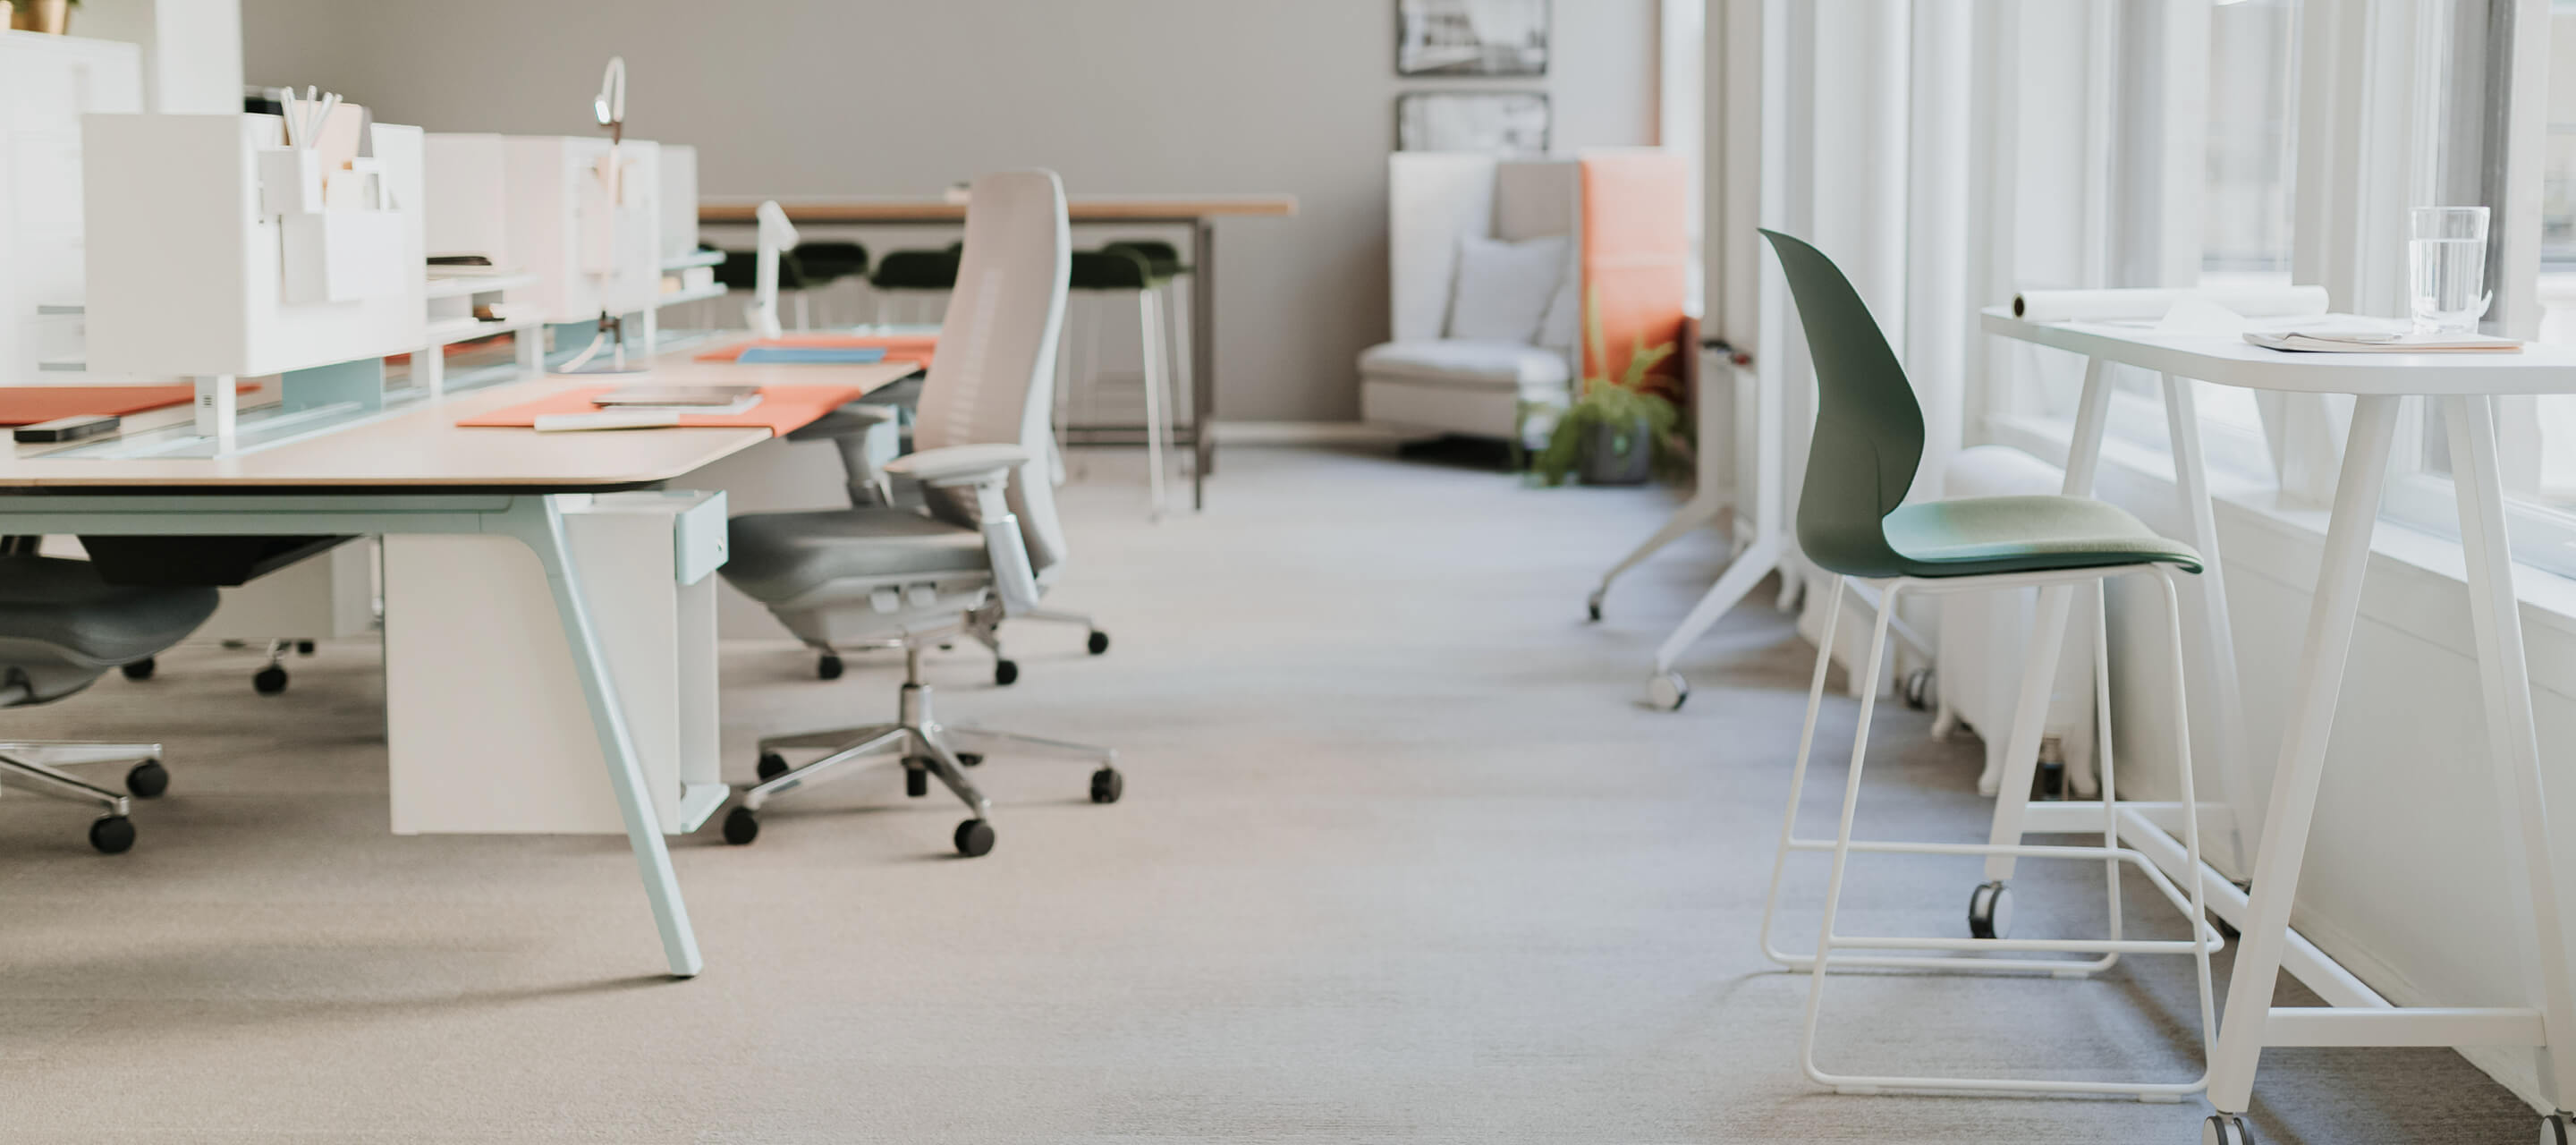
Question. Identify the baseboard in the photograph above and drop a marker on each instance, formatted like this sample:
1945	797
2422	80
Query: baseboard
1300	433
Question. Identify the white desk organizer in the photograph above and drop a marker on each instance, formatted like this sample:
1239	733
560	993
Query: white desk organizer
216	252
46	84
543	204
490	731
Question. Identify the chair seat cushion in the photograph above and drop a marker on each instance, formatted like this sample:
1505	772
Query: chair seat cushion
81	622
779	557
1501	365
1978	536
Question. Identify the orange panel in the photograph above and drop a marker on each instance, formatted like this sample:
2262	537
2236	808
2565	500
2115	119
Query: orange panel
1636	261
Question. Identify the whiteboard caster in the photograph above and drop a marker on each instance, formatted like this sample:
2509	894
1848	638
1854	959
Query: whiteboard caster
1592	603
2225	1129
1918	689
1665	691
2558	1129
1990	911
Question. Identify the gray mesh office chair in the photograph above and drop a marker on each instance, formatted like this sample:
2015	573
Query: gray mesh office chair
61	627
987	537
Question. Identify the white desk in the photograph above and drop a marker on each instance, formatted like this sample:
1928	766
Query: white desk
418	472
2465	385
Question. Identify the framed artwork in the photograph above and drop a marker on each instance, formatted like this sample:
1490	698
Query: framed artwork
1494	122
1471	37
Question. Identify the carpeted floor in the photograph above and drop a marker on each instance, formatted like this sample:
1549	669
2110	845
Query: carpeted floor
1401	859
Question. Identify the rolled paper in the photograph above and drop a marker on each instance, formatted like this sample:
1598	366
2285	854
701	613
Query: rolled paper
2112	305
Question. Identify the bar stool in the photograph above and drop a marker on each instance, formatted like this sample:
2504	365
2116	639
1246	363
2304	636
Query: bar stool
1111	272
1173	278
1852	522
911	286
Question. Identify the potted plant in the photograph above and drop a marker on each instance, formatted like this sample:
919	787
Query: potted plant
52	17
1616	428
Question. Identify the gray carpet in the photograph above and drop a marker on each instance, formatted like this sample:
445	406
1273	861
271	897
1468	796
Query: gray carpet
1400	860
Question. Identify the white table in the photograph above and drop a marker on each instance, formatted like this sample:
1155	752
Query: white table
2465	385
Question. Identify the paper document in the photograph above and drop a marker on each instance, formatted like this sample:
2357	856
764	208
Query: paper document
2375	342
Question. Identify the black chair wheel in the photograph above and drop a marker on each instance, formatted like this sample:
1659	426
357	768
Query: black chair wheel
1592	606
2225	1129
916	779
1006	673
827	666
741	826
139	670
2050	780
970	758
771	766
1107	785
114	834
148	779
269	681
303	647
974	838
1990	911
1098	643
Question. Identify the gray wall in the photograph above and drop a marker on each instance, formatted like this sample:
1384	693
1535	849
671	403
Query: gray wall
890	97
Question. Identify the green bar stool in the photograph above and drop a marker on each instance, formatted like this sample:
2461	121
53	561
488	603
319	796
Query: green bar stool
1172	277
911	286
1111	272
1853	523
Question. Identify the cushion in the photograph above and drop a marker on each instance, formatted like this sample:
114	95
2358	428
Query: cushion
1503	289
1972	536
1511	365
777	557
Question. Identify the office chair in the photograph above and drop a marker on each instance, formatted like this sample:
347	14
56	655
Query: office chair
62	627
1853	522
986	542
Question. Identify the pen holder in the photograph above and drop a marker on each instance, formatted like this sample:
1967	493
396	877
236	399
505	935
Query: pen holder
290	181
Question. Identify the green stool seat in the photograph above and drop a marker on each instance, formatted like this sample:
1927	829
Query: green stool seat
1161	257
1111	268
916	270
824	262
1852	518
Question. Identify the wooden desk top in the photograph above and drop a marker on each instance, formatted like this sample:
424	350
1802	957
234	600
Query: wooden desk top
1080	208
422	448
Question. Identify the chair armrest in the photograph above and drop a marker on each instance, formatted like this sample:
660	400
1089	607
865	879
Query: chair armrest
957	465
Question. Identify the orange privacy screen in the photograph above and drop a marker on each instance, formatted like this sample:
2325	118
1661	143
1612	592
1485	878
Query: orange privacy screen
914	348
27	405
782	408
1636	259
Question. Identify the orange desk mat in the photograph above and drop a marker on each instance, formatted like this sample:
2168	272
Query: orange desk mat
914	348
28	405
782	409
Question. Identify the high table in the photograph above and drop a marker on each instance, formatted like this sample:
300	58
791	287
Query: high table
416	471
2465	385
1197	212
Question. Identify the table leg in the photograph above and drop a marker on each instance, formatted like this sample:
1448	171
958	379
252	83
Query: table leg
2303	753
538	522
2512	745
1202	357
2217	636
2048	635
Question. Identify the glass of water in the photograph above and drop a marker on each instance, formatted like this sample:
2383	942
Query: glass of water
2446	268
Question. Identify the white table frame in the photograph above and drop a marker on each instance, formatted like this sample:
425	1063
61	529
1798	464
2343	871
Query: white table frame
2466	386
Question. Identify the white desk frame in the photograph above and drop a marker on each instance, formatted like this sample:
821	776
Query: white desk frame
2466	386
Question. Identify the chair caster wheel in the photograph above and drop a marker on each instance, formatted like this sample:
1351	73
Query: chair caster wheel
916	779
1592	605
2225	1129
2558	1129
1005	673
269	681
1107	785
742	825
970	759
2049	778
827	667
1665	691
148	779
139	670
1990	911
304	647
974	838
1098	643
112	834
771	766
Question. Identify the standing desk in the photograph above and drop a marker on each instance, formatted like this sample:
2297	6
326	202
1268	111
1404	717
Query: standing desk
2355	1015
1197	212
418	472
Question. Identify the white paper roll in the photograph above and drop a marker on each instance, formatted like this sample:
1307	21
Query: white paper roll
2111	305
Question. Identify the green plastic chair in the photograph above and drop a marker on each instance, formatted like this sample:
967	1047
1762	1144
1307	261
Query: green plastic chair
1853	523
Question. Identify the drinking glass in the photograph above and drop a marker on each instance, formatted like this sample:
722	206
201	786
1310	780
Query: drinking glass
2446	268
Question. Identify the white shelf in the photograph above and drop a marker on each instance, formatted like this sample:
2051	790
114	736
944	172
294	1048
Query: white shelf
694	258
461	285
701	294
451	330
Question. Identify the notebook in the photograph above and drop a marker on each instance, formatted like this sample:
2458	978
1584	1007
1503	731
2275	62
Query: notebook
676	395
815	355
2372	342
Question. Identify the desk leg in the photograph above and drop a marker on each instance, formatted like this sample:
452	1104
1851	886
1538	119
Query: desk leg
2047	636
2303	753
1202	357
2217	635
538	521
2505	681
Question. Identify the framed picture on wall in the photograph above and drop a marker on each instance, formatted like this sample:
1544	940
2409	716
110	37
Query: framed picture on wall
1496	122
1471	37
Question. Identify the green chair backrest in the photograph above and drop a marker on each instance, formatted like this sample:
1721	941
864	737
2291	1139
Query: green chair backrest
1869	429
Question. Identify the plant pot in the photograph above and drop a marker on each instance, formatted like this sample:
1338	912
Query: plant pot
1618	453
51	17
